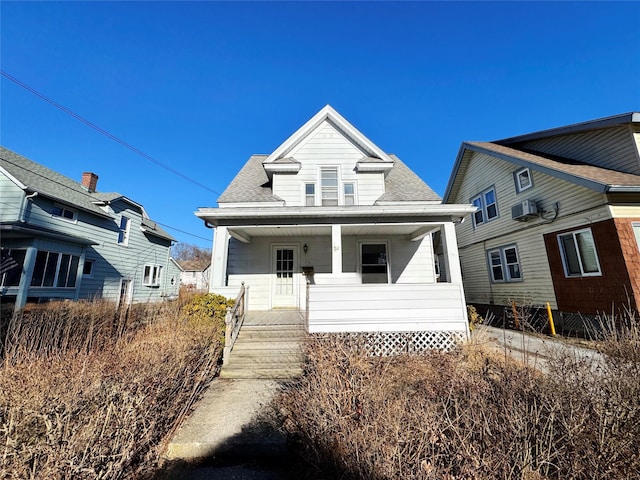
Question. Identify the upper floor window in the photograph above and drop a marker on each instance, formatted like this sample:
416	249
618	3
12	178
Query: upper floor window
123	233
55	270
151	276
487	206
504	264
349	194
310	194
64	212
329	186
523	179
579	256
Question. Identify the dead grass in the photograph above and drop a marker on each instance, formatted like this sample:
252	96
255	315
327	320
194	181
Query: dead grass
469	414
88	393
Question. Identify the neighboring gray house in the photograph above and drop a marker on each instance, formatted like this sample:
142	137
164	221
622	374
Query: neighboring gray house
357	221
64	240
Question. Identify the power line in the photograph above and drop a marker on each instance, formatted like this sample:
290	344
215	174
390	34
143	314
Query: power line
182	231
105	133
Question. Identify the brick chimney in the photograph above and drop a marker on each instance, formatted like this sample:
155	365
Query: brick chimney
90	181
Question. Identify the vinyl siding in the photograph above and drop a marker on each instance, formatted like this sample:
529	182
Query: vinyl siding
613	148
326	146
578	207
11	199
410	263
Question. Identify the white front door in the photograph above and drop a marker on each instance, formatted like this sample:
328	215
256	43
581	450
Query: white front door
285	277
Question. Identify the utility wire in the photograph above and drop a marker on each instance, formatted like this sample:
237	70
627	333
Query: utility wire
105	133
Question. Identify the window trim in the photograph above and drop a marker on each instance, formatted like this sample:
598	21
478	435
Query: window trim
516	179
335	168
124	232
387	255
582	273
155	275
504	265
482	208
345	194
307	196
64	208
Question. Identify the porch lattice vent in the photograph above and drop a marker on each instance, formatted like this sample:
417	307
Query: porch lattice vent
394	343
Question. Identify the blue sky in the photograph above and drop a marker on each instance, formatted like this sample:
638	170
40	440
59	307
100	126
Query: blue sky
200	86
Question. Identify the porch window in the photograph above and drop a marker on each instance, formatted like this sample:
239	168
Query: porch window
12	261
579	256
329	185
310	194
123	233
54	269
151	276
374	263
504	264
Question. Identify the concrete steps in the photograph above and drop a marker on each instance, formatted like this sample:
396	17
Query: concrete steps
269	346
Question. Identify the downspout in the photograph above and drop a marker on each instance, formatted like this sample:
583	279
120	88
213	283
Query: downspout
24	206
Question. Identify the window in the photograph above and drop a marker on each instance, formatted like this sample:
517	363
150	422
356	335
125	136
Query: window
87	269
310	194
374	263
487	206
349	194
636	232
64	212
56	270
151	277
123	234
523	179
11	263
578	251
329	186
504	264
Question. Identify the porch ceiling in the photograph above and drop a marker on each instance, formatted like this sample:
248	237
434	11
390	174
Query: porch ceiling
325	230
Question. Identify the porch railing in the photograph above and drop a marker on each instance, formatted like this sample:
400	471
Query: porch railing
233	321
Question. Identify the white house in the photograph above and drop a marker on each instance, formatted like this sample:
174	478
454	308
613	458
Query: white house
332	225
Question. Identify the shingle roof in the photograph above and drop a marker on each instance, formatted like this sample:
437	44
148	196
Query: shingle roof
49	183
403	185
251	184
579	170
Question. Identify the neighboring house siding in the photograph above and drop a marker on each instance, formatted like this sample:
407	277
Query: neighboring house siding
327	147
608	148
485	171
11	197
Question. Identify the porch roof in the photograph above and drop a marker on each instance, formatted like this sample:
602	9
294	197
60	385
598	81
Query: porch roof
371	214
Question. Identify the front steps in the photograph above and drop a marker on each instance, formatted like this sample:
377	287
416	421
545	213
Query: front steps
269	346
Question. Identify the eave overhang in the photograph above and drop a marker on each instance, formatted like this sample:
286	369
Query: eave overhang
18	230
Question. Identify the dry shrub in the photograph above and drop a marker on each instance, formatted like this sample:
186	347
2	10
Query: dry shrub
87	403
468	414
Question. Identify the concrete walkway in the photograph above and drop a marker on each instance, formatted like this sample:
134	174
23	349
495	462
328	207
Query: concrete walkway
531	349
228	437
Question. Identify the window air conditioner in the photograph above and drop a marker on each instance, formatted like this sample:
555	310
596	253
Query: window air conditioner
524	210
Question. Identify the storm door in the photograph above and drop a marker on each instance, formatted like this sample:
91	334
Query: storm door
285	288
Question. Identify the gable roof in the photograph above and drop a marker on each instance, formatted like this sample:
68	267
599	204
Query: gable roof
589	176
33	177
251	184
327	113
402	185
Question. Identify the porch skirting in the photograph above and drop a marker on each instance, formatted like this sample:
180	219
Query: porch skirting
396	343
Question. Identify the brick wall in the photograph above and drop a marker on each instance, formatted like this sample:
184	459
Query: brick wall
619	263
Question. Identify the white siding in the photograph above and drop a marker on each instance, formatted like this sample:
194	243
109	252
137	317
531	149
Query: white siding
386	308
612	148
326	146
578	206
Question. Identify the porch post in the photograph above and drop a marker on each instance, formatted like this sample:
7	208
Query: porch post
450	246
336	249
25	279
219	258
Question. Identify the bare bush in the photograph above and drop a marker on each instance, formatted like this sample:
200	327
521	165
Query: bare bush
470	414
80	401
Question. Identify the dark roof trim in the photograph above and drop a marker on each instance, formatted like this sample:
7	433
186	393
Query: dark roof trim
631	117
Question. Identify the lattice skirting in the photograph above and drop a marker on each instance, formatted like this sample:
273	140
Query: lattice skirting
394	343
